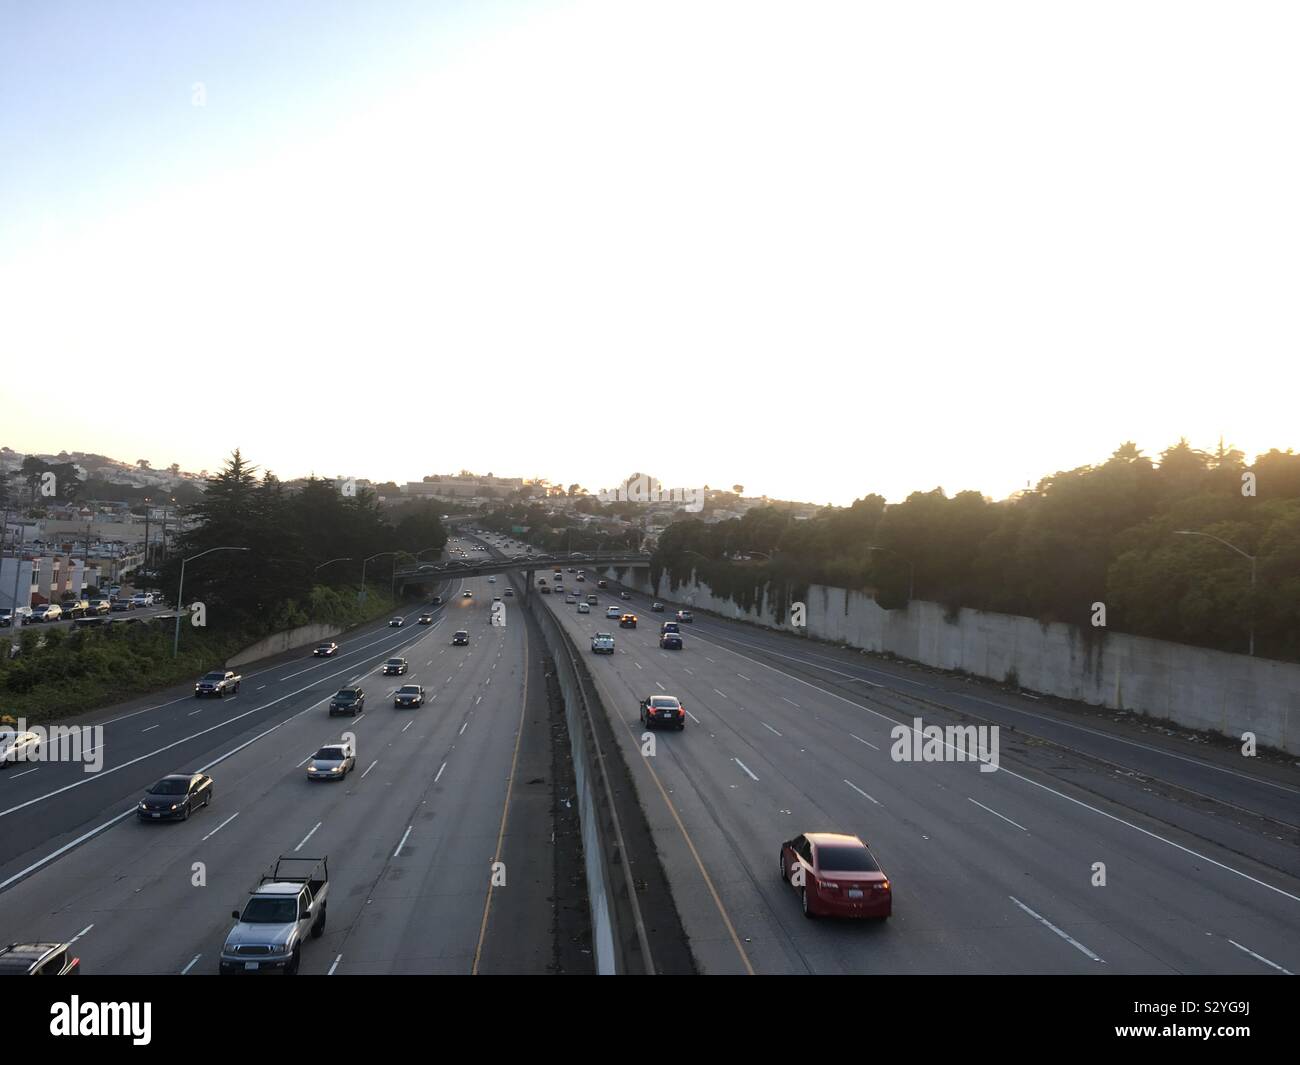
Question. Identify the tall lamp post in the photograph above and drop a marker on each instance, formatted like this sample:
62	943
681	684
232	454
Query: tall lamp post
1249	558
364	562
911	570
324	564
180	591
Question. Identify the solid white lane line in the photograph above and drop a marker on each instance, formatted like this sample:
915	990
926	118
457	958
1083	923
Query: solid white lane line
1050	790
24	773
1064	935
308	835
660	687
80	934
376	761
463	728
769	728
996	814
745	768
219	827
66	847
861	740
403	843
1260	957
861	792
440	769
191	965
723	694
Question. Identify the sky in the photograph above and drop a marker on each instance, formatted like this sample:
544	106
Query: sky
817	249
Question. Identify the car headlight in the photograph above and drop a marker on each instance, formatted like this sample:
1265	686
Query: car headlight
175	805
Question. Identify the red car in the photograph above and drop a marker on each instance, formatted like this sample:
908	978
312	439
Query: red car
836	876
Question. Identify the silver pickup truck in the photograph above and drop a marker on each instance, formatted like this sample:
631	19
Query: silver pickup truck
287	905
218	682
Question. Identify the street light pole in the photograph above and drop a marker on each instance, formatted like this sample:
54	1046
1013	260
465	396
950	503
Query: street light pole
1250	558
377	554
180	591
324	564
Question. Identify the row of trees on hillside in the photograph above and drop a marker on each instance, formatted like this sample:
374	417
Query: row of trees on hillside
298	542
1108	533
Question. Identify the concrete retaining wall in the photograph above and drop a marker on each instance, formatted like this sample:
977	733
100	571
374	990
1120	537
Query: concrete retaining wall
280	642
1210	690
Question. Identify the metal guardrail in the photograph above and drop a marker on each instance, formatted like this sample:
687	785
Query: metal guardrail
620	941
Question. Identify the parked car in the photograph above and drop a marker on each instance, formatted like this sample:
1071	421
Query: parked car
408	695
24	614
122	606
663	710
602	644
286	907
175	797
38	959
836	875
395	667
47	612
74	608
350	701
100	606
218	683
334	761
325	650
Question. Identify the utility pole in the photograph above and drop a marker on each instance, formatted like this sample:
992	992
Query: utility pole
147	508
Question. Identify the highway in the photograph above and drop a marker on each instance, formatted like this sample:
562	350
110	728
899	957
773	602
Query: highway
410	834
993	872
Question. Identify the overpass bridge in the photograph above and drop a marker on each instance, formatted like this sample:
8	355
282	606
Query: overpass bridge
432	572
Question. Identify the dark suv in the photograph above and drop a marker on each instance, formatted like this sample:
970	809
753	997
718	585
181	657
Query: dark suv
348	701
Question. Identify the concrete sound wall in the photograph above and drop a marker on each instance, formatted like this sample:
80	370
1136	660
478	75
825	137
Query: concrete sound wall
1209	690
280	642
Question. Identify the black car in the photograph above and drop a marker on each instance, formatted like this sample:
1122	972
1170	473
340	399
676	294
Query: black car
426	619
326	650
460	638
349	701
175	797
38	959
657	607
409	695
663	710
395	667
670	641
436	601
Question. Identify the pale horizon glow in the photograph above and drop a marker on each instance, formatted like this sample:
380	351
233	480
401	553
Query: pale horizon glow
818	250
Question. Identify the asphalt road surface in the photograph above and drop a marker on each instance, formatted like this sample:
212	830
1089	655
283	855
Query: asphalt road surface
992	872
410	834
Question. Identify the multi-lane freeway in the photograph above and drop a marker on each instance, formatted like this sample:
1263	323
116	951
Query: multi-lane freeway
438	793
1095	847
